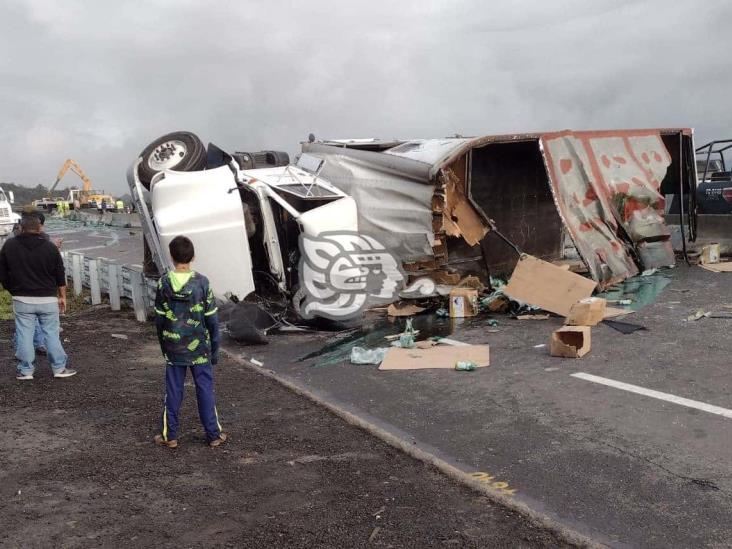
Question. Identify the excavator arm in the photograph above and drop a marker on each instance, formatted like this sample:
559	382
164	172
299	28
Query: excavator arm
74	167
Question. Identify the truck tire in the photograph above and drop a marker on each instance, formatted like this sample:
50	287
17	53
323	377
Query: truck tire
179	151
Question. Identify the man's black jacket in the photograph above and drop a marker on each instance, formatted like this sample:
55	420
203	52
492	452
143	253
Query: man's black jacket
31	266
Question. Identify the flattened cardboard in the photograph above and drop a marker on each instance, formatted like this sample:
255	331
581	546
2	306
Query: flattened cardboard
724	267
463	302
587	312
570	341
405	309
539	283
440	356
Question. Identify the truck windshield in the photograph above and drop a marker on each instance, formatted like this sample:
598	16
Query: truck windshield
2	197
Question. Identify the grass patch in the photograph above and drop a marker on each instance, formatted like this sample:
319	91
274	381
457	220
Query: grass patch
74	303
6	305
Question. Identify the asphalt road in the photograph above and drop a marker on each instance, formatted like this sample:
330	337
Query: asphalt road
118	245
625	468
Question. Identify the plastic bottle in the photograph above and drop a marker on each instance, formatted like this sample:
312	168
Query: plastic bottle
465	366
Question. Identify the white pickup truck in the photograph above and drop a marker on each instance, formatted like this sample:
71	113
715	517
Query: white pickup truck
8	218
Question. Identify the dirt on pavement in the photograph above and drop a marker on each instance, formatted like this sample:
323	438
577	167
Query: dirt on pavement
78	467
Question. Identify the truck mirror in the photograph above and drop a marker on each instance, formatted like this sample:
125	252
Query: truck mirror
11	196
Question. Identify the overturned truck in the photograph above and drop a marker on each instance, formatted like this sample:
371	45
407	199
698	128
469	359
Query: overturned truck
441	208
435	202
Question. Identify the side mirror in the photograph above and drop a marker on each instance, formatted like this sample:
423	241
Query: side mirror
11	196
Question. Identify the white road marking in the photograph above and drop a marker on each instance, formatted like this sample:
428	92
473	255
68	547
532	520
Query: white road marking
656	394
87	248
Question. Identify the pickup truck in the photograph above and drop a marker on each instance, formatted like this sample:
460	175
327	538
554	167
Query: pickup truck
714	178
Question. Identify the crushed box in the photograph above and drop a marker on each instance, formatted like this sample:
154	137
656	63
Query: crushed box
463	302
570	341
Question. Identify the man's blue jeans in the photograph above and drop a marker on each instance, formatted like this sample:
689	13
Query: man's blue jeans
38	341
26	317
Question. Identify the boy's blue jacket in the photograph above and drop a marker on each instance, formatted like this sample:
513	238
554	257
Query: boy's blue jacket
186	320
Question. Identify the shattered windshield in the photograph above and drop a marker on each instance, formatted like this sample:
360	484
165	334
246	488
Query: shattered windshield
307	191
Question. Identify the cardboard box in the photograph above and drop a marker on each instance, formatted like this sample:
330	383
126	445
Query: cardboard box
463	302
710	254
570	341
587	312
547	286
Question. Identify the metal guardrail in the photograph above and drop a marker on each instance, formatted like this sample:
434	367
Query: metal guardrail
117	281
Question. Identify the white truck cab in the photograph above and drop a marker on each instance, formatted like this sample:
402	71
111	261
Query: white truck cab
244	223
8	218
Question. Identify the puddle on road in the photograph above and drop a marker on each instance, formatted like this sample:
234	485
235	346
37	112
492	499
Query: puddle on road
642	290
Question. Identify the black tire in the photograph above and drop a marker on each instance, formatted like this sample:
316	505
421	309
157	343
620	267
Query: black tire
162	153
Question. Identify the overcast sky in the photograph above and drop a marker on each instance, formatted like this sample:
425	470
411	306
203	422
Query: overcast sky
97	80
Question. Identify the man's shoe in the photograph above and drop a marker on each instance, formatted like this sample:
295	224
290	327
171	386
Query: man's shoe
66	372
215	443
41	351
23	377
161	442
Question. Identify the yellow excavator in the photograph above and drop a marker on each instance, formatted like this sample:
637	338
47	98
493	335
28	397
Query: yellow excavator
86	197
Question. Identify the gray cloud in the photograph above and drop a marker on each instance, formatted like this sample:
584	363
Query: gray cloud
96	81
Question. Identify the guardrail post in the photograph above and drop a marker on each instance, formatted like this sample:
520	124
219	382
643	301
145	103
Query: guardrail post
96	292
137	284
114	293
77	265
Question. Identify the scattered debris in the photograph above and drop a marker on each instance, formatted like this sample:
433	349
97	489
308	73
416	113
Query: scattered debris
359	355
465	366
570	341
532	317
448	341
439	356
119	336
620	301
701	313
547	286
404	309
492	322
540	346
623	327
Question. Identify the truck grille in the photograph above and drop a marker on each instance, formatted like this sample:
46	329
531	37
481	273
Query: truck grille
4	212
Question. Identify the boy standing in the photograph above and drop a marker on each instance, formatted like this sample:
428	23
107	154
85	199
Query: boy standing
188	332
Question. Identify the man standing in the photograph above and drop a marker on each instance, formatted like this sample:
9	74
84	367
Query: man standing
32	270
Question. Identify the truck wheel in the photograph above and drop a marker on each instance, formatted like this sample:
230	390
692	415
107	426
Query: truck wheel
179	151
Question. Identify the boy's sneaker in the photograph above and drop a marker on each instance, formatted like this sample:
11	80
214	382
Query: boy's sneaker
223	437
23	377
66	372
161	442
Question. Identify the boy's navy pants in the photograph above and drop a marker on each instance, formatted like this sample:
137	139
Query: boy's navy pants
175	377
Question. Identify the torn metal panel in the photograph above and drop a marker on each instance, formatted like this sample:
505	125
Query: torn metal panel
393	197
606	186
